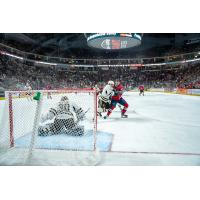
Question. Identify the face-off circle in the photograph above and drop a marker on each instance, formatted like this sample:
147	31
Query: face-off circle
113	41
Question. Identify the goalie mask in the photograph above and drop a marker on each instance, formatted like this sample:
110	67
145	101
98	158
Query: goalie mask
64	103
64	98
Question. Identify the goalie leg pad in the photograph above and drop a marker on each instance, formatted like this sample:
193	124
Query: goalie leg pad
57	127
71	127
76	131
50	129
69	123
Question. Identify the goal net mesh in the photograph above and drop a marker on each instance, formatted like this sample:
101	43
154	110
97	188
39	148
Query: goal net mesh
26	139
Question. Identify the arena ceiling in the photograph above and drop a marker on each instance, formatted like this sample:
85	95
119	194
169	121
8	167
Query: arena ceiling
75	44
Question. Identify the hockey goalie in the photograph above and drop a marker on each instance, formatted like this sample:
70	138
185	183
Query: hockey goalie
65	116
105	98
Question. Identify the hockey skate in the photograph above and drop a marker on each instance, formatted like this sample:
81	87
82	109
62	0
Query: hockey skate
124	115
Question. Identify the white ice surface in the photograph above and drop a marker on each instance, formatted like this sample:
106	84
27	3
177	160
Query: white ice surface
156	123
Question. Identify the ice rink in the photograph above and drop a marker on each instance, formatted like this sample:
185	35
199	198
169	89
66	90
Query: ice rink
161	129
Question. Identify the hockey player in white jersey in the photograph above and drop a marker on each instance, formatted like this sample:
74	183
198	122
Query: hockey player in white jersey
105	98
28	88
66	116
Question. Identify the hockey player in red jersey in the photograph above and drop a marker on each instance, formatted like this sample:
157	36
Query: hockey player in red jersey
141	89
117	99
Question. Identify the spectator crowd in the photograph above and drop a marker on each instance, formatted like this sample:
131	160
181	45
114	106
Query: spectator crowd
15	73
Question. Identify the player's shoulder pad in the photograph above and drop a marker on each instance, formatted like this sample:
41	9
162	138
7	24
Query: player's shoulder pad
119	87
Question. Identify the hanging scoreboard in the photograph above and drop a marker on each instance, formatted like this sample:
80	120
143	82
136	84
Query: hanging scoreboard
113	41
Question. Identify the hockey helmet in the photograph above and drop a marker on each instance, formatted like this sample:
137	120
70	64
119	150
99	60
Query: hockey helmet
111	83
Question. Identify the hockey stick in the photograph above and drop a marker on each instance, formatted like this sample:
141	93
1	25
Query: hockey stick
87	110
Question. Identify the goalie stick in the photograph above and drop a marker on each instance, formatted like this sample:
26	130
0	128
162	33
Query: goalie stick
87	110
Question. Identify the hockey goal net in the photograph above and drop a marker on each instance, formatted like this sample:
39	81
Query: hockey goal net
22	120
